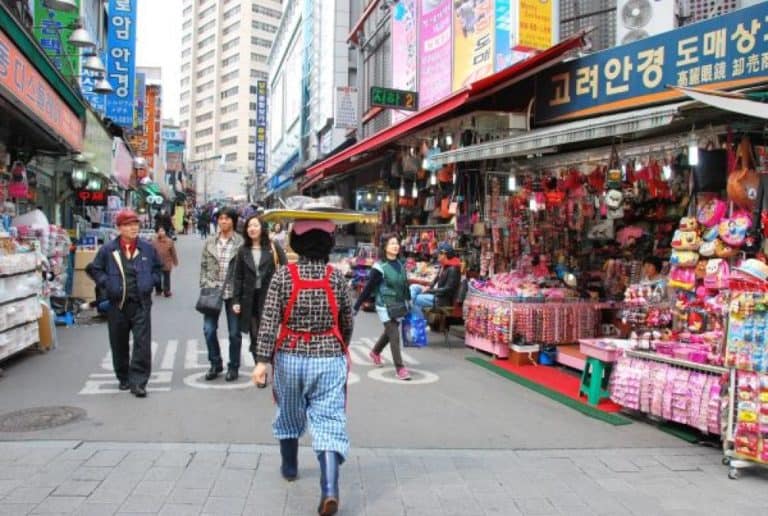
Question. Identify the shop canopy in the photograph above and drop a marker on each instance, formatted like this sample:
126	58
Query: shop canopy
471	98
740	103
549	138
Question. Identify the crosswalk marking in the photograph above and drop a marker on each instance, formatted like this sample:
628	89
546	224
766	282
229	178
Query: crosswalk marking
196	358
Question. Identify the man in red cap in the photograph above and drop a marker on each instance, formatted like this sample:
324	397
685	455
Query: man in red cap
128	269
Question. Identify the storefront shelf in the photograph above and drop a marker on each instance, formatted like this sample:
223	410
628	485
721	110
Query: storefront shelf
675	361
17	299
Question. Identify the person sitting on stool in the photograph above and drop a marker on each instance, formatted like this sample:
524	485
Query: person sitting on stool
443	290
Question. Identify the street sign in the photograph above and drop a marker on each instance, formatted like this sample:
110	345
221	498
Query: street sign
397	99
89	198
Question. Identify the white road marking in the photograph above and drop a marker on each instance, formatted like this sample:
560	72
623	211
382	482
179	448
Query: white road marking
99	383
367	344
169	357
196	380
192	357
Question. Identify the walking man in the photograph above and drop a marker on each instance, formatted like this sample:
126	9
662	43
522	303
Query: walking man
217	271
128	269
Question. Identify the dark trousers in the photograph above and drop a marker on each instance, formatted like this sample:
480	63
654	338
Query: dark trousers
166	284
211	328
390	336
132	318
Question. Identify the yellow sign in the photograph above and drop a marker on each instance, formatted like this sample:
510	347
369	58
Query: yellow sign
536	18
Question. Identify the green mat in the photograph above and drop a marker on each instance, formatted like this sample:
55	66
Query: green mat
587	410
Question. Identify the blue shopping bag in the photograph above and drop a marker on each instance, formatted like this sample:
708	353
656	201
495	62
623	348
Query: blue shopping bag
414	331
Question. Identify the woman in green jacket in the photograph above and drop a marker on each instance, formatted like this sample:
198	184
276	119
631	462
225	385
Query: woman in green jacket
388	284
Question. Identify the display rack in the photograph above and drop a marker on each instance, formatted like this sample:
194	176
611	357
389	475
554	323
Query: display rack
707	368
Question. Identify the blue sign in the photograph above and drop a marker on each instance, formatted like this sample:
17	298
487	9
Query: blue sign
121	61
261	128
503	52
724	52
88	80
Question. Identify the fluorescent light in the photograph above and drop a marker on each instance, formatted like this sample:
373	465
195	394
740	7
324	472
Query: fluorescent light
512	183
693	154
433	178
414	191
449	140
402	189
667	170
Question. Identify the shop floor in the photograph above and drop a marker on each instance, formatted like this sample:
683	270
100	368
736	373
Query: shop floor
556	385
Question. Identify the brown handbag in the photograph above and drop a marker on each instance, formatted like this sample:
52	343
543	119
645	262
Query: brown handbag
743	183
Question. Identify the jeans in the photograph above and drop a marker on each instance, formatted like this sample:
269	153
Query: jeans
211	328
420	301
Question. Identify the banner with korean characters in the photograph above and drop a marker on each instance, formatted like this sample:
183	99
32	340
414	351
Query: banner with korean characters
725	52
435	50
121	61
26	89
53	29
473	46
261	128
405	49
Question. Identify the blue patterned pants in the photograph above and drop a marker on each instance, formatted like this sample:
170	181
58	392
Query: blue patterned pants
314	390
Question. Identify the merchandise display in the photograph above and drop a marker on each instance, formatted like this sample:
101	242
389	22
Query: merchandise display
20	289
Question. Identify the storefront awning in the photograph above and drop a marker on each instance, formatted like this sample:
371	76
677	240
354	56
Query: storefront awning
574	132
734	102
359	153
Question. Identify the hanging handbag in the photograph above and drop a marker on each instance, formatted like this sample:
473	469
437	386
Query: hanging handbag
397	310
210	301
743	183
711	174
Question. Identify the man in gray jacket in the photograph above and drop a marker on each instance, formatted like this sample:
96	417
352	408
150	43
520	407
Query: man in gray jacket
216	270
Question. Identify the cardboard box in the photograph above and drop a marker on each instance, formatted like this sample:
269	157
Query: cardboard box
46	329
83	287
83	258
523	358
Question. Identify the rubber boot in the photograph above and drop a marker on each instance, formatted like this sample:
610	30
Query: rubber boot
289	451
329	482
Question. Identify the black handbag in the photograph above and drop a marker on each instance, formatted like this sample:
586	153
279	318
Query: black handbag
210	301
397	310
711	174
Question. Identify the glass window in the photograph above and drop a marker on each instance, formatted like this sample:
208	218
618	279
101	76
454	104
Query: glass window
204	148
232	140
261	42
232	12
229	76
251	156
231	124
272	13
231	92
229	109
230	60
258	58
266	27
204	132
204	117
232	156
232	28
231	44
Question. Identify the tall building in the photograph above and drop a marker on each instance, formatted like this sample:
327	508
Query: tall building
224	50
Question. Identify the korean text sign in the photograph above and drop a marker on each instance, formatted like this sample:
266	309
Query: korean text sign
435	50
21	83
53	29
261	127
405	48
727	51
121	61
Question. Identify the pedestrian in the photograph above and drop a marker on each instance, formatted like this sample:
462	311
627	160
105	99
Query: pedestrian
128	269
305	331
443	289
217	271
204	224
166	252
388	284
278	234
255	265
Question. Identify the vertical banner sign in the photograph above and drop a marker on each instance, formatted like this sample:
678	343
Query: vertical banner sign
503	45
88	80
435	50
473	48
405	48
121	61
261	128
52	30
725	52
535	29
141	99
150	111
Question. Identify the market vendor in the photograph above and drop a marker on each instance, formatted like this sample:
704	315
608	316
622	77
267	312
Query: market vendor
654	282
443	289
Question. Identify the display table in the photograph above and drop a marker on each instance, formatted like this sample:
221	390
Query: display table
492	322
20	286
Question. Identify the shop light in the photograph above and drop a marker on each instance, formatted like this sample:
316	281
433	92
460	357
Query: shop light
448	140
369	196
623	171
94	184
533	205
61	5
512	183
79	177
80	37
94	63
693	151
401	192
415	191
433	178
412	151
378	198
454	176
359	197
435	142
425	163
667	171
103	87
388	198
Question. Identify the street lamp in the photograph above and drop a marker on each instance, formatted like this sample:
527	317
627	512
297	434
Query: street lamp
103	87
80	37
94	63
61	5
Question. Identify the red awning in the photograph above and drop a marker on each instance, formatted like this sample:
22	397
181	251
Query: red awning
482	88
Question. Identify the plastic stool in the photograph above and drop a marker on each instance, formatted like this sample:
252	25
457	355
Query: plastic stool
594	380
67	319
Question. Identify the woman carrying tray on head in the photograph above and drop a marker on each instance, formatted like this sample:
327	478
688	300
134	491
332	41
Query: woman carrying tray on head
305	330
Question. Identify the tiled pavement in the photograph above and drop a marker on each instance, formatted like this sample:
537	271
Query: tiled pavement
99	478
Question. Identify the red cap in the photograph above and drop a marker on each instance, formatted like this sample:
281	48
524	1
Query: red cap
126	216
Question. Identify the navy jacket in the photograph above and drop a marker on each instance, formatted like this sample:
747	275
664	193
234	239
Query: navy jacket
109	275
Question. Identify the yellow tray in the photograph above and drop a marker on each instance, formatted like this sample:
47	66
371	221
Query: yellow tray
339	217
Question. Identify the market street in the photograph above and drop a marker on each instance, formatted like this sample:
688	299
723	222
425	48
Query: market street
455	440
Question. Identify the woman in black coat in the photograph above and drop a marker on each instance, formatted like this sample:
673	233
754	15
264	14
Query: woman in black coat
255	264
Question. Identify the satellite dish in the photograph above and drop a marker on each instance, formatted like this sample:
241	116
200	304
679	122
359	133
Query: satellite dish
636	14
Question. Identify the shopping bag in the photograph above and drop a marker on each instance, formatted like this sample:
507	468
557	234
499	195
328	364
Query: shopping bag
414	331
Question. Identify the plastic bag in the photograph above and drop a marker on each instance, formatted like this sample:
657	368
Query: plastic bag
414	331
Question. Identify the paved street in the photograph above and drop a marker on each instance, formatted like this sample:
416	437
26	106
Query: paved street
455	440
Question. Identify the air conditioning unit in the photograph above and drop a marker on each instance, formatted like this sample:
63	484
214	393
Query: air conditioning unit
639	19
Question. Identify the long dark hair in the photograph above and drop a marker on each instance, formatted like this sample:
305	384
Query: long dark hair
263	239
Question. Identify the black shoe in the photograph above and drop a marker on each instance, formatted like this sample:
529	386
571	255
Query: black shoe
139	391
124	385
212	373
231	375
289	451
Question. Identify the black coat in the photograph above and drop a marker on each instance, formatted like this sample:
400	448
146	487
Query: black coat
446	285
251	301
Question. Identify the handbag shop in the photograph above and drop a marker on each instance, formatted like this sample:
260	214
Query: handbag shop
557	221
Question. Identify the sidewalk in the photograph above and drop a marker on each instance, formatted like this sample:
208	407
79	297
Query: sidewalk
102	478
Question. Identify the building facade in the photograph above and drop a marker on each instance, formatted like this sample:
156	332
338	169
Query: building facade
224	52
309	68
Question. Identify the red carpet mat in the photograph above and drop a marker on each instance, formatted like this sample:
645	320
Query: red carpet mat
556	380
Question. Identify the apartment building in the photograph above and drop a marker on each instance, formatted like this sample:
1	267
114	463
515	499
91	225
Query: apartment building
224	51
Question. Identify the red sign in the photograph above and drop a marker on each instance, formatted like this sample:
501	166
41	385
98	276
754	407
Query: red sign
20	82
88	198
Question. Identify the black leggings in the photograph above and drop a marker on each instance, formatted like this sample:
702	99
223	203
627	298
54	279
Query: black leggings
390	336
